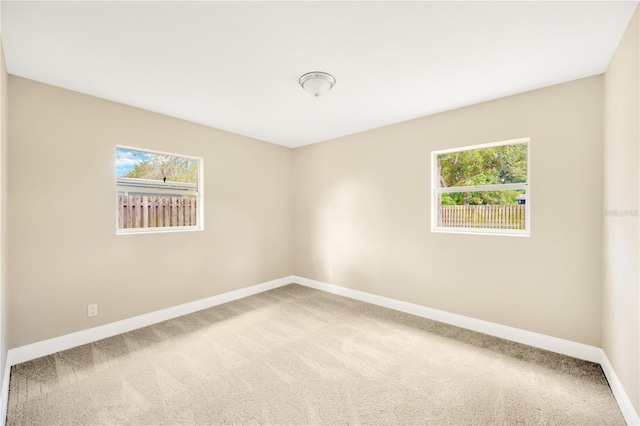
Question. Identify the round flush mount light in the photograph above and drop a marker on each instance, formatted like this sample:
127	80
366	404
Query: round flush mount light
317	83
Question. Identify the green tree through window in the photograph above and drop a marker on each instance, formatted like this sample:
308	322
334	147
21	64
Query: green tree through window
487	166
482	189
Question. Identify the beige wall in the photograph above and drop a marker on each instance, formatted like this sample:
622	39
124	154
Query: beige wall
621	284
3	214
362	210
64	251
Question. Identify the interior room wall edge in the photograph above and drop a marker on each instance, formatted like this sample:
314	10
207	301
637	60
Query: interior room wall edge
4	284
621	188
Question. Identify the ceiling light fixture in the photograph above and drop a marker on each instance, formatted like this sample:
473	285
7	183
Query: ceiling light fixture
317	83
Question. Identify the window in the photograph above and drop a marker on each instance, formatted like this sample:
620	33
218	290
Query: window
157	192
482	189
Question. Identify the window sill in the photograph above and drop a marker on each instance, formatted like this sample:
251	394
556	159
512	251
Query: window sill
492	232
166	230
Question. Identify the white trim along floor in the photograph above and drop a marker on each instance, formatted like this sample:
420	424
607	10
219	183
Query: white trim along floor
565	347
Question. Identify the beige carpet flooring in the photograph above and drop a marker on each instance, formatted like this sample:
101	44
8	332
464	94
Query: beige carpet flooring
300	356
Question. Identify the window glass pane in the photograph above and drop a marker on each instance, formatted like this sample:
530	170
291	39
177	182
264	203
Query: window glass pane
484	166
163	169
483	209
157	191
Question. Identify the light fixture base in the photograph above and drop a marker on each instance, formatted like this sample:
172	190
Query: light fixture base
317	83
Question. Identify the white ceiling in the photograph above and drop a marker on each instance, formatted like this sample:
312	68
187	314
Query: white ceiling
235	65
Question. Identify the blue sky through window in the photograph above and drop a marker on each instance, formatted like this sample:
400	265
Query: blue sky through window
126	159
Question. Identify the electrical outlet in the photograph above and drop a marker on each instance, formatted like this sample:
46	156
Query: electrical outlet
92	310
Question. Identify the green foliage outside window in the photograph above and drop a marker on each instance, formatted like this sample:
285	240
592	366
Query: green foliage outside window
487	166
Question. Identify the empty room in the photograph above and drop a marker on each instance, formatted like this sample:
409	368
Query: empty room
319	213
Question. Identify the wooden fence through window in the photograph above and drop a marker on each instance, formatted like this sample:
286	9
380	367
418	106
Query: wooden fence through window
150	211
483	216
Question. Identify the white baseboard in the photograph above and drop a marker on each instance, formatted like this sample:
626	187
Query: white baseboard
629	412
57	344
541	341
5	390
554	344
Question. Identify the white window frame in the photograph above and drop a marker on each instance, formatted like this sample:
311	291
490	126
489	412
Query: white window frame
144	186
436	191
